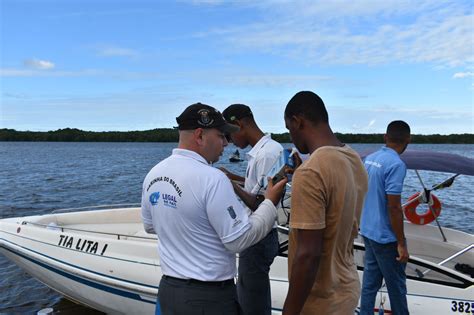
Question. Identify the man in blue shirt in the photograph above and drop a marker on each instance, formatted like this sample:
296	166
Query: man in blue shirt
381	225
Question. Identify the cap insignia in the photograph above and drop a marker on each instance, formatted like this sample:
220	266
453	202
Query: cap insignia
204	118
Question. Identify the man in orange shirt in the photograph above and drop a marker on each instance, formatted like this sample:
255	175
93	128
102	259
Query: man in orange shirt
327	196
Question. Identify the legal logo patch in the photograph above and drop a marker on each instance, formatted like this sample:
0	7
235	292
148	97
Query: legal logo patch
169	200
232	212
154	197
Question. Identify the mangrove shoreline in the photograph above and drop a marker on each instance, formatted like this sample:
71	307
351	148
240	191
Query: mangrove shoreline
171	135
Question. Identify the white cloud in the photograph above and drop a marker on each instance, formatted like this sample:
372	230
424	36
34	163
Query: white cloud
269	80
117	52
461	75
15	95
359	32
208	2
11	72
424	121
39	64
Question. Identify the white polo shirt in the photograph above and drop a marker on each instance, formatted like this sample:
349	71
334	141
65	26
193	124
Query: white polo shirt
260	159
194	211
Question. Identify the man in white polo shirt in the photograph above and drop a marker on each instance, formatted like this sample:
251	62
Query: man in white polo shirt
198	219
253	285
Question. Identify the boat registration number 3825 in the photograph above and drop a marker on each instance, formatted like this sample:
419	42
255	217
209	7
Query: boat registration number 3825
462	307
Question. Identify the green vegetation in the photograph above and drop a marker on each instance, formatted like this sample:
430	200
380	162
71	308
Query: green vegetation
171	135
465	138
76	135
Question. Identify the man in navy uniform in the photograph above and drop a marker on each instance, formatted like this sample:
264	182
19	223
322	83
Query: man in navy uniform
198	219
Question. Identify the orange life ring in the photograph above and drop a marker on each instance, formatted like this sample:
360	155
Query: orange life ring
424	218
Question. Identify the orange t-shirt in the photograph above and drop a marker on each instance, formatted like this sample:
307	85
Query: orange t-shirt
328	193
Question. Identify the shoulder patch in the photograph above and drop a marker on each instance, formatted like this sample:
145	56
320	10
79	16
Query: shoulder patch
231	212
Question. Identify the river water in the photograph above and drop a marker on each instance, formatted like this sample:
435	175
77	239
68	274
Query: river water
38	177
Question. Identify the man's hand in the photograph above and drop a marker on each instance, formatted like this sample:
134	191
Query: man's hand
396	219
402	252
274	192
296	161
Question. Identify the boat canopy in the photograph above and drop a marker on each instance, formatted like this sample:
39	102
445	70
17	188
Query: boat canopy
436	161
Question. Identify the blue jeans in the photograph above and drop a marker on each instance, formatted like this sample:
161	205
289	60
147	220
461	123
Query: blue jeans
253	284
381	263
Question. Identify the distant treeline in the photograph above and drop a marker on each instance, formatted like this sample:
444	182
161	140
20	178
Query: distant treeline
171	135
464	138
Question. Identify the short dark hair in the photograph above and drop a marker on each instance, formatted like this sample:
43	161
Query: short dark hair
236	112
398	131
309	105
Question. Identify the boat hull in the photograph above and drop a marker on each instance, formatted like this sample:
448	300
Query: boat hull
115	282
117	270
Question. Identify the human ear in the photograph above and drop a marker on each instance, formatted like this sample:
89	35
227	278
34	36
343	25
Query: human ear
297	121
198	135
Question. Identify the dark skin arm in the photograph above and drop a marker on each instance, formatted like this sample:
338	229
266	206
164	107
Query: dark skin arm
396	219
304	269
252	201
232	176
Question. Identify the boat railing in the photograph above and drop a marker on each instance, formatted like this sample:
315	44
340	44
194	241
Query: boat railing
418	264
452	278
455	255
64	228
283	229
66	210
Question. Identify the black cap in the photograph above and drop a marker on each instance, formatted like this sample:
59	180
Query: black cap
203	116
236	112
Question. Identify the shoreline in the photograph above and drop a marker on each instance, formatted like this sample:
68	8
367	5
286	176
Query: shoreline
165	135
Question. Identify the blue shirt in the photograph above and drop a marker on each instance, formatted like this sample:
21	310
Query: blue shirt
386	174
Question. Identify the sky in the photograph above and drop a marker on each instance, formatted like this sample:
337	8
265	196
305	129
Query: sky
116	65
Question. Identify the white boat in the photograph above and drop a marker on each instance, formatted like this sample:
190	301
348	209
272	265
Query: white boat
105	260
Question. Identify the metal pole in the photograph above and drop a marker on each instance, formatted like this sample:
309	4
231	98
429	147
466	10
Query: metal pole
437	222
421	181
462	251
427	195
